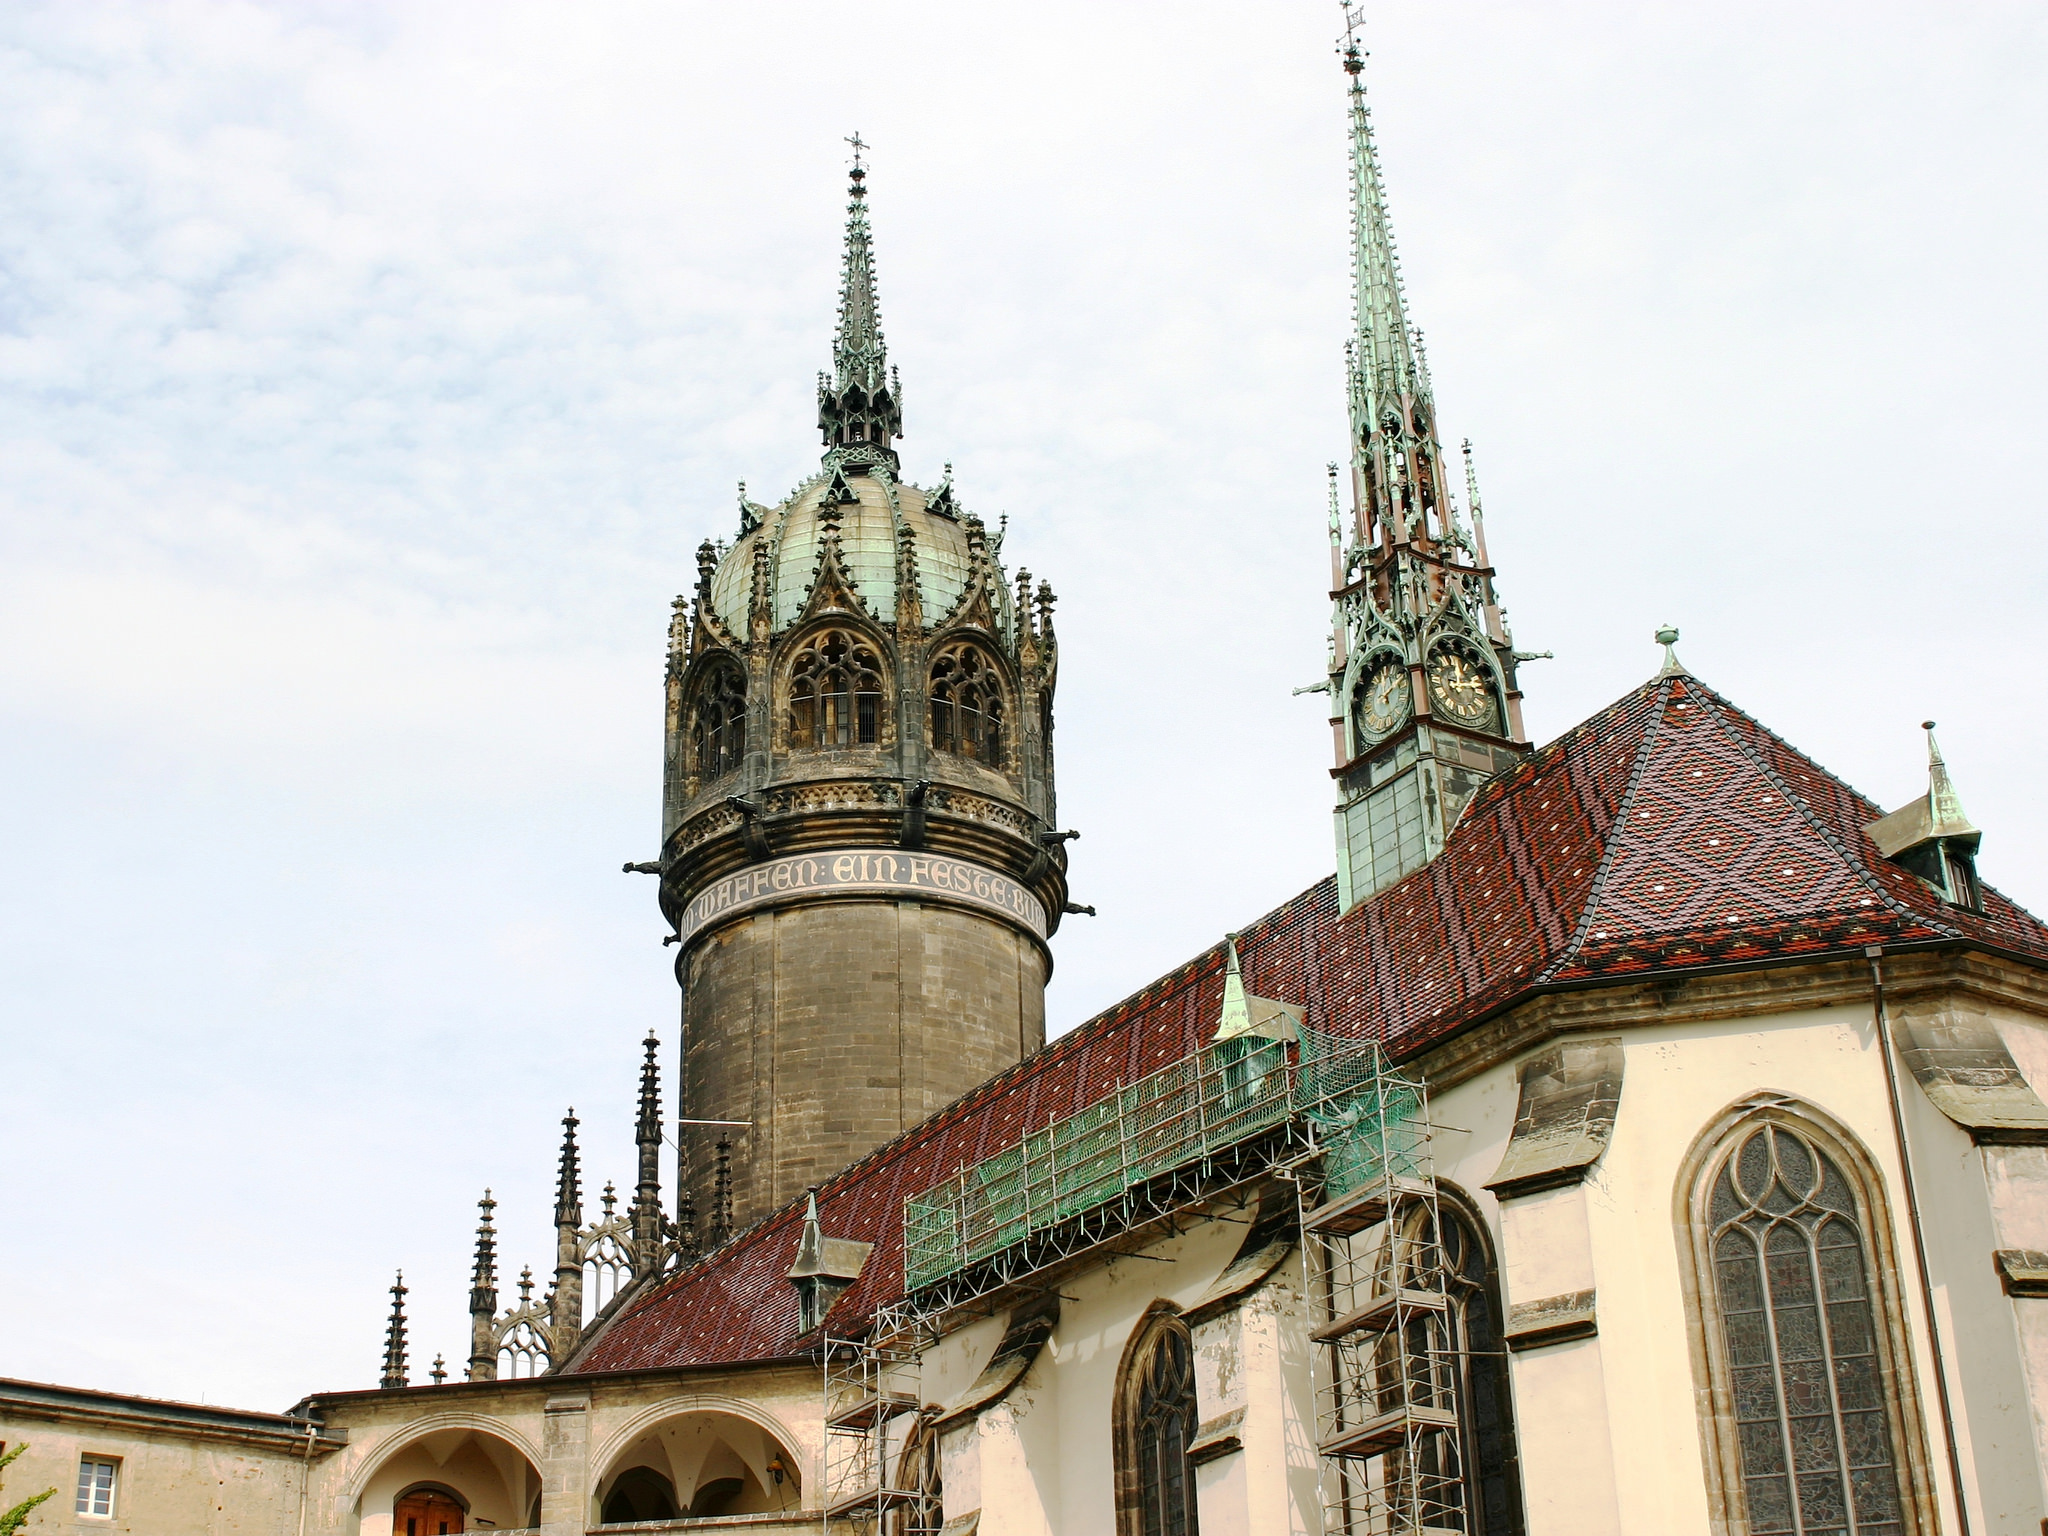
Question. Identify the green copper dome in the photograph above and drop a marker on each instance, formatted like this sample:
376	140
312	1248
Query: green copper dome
867	546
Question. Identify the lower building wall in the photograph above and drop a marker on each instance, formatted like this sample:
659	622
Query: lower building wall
165	1484
1612	1430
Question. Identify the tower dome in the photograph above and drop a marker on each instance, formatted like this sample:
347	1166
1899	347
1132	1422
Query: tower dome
859	852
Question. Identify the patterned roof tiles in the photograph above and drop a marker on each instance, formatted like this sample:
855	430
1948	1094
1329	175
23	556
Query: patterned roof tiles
1668	832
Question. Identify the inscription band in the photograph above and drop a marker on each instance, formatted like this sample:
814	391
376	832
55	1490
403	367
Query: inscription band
862	871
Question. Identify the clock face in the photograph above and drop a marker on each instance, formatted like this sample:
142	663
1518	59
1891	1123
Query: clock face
1383	698
1460	686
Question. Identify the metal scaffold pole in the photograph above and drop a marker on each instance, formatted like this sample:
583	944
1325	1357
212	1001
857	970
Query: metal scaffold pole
1383	1359
881	1457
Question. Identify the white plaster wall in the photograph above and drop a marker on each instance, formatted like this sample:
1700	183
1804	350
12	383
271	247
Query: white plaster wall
1077	1479
1677	1081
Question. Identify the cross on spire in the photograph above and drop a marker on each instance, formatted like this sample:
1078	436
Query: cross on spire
858	144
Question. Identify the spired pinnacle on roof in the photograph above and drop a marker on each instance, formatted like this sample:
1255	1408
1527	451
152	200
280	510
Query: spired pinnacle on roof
394	1338
1944	804
1932	837
860	401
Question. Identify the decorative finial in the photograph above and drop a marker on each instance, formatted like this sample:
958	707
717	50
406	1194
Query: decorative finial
1349	49
569	1177
440	1370
394	1338
858	144
721	1193
1667	637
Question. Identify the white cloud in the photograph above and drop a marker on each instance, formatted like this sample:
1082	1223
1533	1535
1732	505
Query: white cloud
368	372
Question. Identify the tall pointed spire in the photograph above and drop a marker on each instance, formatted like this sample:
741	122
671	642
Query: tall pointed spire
394	1338
647	1197
483	1297
860	408
1423	691
565	1312
1384	368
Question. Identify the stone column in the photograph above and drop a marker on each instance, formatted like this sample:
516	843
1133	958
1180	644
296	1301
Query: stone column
565	1466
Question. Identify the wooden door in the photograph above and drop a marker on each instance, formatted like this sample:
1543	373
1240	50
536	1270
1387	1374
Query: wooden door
426	1513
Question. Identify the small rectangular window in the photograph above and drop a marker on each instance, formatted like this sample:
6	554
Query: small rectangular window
96	1475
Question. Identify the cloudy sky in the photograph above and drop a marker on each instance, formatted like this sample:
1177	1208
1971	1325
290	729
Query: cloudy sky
368	373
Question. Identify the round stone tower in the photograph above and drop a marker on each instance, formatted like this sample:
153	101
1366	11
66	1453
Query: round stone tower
859	854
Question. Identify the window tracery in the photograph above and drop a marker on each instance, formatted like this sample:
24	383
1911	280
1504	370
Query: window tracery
922	1512
1799	1331
835	693
967	705
1451	1357
718	722
1156	1420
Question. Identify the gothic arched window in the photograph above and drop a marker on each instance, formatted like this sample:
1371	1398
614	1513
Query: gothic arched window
967	705
1155	1422
1439	1350
1486	1415
922	1512
718	722
1803	1336
835	693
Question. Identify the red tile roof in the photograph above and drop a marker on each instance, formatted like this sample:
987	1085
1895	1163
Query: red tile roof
1669	832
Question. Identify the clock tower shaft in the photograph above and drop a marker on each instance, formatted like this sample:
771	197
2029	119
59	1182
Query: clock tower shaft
1425	705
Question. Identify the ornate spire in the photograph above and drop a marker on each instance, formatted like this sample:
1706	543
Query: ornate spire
1384	365
394	1338
647	1195
483	1297
859	402
569	1178
1420	654
565	1296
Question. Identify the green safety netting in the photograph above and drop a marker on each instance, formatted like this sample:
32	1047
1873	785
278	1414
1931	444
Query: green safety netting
1366	1117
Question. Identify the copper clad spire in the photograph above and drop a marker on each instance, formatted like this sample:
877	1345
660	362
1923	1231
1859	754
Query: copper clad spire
1384	368
859	402
1425	703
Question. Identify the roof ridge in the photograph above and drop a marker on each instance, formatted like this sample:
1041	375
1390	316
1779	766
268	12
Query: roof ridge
1813	819
1611	842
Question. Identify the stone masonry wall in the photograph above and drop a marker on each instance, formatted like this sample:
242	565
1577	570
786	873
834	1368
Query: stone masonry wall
833	1027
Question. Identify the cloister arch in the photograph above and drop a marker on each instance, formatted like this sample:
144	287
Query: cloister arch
702	1456
491	1471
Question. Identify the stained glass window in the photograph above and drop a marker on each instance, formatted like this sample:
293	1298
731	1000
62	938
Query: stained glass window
1156	1486
1815	1428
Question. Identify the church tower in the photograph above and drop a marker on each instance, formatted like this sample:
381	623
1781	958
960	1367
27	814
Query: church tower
859	854
1424	702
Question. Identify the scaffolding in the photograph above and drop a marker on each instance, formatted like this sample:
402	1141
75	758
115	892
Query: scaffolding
1352	1134
1383	1365
1093	1172
881	1457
